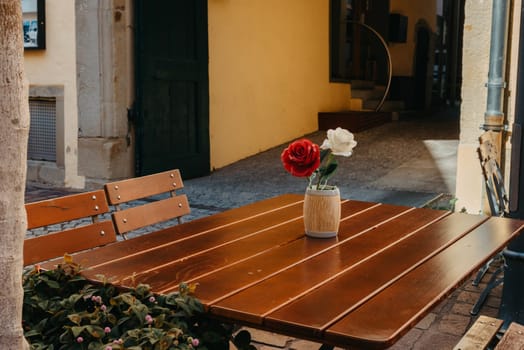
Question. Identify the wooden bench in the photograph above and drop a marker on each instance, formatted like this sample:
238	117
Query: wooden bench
151	212
63	210
483	335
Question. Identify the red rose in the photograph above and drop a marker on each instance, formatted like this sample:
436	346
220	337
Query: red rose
301	158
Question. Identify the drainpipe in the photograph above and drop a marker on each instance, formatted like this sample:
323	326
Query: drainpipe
512	302
494	117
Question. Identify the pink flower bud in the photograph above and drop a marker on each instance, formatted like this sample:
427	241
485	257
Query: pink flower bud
79	340
149	319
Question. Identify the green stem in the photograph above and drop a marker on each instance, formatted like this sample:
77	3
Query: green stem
326	164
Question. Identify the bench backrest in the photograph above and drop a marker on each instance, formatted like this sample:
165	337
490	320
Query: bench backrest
62	211
146	212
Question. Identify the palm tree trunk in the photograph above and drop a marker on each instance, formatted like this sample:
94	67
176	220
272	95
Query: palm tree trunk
14	121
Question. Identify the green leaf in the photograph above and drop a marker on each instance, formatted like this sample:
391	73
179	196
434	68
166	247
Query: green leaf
32	333
75	318
127	298
323	154
95	331
66	337
52	284
329	170
122	320
77	330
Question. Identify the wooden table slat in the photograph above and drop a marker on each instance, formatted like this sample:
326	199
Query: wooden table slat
382	320
300	279
362	289
180	232
223	239
339	297
281	256
160	276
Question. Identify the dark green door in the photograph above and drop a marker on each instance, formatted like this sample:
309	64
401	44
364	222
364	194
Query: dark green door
172	123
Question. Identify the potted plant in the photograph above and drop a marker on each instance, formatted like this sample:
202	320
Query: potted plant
303	158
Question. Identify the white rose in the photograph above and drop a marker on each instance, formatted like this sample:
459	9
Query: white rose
340	141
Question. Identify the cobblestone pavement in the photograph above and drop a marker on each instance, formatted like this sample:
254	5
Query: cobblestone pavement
408	162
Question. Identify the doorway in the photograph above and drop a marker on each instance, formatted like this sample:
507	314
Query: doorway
172	104
421	67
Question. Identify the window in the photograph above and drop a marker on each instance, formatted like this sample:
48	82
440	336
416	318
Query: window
358	47
42	133
341	11
33	23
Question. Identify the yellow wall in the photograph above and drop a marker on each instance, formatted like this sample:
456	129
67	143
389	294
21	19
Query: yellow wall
268	74
402	53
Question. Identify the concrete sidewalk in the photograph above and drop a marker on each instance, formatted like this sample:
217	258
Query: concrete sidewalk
408	162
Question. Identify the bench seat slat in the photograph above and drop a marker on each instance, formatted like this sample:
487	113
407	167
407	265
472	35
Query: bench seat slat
480	334
513	338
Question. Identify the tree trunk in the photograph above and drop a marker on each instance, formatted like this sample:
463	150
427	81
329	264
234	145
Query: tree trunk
14	121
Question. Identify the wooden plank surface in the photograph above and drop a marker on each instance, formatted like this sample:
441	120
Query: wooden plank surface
139	187
513	338
221	245
377	272
264	265
371	325
297	287
480	334
124	249
150	213
255	266
275	234
66	208
70	241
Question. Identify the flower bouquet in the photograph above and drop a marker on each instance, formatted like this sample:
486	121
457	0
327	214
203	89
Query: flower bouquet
303	158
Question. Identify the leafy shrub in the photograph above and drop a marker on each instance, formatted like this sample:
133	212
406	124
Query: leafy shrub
63	310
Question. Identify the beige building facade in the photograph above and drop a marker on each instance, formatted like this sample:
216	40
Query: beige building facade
478	17
52	75
268	78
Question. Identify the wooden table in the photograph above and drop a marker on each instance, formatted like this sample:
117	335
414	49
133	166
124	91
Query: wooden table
384	272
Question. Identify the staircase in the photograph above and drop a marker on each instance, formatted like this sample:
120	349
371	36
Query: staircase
365	97
370	95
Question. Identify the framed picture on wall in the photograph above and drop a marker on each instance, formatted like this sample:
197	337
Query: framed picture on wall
33	17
